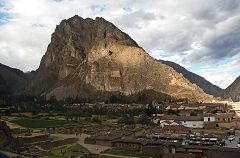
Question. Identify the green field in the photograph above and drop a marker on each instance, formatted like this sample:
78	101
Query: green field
39	123
125	152
70	150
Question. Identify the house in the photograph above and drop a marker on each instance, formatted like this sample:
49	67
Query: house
167	123
212	151
105	140
209	118
128	144
191	121
209	121
157	119
159	148
224	117
72	129
176	129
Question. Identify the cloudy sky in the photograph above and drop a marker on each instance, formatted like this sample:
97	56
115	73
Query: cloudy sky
203	36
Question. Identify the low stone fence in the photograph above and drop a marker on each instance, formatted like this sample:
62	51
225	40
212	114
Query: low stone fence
32	139
57	143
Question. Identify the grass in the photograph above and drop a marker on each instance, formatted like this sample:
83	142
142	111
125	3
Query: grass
125	152
103	156
70	150
24	114
39	123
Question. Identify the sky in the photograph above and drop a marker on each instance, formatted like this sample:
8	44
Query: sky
203	36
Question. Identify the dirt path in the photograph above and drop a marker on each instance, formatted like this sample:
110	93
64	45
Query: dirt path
95	149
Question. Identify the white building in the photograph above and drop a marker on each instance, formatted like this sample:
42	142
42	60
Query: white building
187	121
191	121
209	118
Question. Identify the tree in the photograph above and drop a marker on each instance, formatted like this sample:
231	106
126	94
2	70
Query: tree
143	119
129	120
113	99
150	110
172	112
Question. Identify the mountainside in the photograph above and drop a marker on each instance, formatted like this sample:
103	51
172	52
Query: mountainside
233	91
205	85
12	81
93	59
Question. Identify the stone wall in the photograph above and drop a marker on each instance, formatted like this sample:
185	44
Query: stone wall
32	139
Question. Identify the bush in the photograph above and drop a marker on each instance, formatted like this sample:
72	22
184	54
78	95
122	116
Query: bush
96	119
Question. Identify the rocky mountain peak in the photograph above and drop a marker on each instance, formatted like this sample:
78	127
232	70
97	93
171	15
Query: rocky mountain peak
92	58
75	37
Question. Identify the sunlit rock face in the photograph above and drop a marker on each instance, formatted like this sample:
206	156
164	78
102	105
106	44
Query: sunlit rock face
92	58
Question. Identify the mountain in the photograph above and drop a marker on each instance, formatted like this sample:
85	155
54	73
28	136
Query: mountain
205	85
233	91
93	59
12	81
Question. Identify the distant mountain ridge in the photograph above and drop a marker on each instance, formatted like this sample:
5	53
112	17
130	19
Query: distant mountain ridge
233	91
207	86
12	81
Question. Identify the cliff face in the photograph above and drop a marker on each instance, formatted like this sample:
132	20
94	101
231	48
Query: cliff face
233	91
201	82
93	59
12	81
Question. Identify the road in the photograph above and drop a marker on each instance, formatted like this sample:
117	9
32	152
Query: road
232	144
94	149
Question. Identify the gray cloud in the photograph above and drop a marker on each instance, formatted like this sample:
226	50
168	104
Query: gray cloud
135	19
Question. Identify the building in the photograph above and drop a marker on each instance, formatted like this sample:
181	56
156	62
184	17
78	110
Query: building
191	121
187	121
176	129
209	118
128	144
178	155
224	117
159	148
72	129
105	140
209	121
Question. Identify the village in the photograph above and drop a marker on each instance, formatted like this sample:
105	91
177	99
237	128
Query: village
164	130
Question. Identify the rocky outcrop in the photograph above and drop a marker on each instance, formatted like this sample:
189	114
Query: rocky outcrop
93	59
201	82
232	91
6	140
12	81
